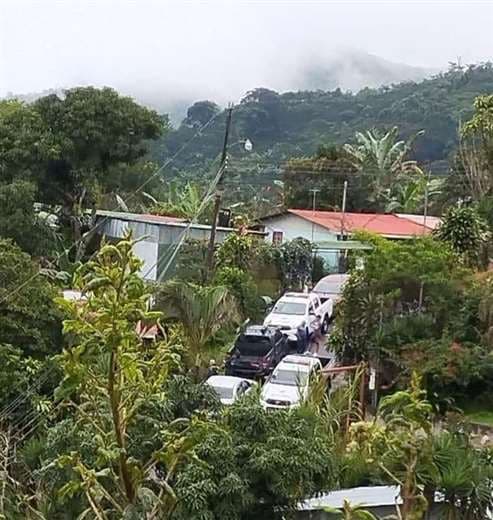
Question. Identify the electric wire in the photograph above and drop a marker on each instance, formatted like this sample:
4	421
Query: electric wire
15	403
126	200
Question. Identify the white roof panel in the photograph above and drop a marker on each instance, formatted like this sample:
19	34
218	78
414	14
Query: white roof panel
372	496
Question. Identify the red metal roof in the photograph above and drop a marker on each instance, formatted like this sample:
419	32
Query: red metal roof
382	224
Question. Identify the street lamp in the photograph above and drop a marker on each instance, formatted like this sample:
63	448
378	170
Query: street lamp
247	144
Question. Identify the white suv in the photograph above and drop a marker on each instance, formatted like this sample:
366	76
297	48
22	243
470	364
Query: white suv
289	384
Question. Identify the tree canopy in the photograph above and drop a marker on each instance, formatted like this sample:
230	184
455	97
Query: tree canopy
29	318
295	124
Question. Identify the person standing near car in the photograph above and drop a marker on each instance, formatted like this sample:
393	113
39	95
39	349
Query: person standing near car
213	369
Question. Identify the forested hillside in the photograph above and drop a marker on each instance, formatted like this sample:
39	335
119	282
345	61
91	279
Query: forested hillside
283	126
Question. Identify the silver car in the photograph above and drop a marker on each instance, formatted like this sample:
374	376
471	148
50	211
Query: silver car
331	287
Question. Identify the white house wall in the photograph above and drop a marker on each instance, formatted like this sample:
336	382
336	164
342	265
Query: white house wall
293	226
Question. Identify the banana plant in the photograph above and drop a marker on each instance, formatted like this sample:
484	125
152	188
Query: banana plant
184	201
408	196
382	157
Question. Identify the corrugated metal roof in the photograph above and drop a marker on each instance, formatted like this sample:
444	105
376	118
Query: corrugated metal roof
163	221
372	496
139	217
389	225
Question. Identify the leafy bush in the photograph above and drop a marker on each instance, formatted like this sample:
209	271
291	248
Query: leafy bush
389	287
29	318
243	288
450	370
236	251
19	222
296	263
466	231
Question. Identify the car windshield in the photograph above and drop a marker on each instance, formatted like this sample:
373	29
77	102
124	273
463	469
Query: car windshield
334	287
289	377
224	392
253	346
290	308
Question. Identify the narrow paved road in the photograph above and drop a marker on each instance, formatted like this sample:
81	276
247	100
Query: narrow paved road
319	345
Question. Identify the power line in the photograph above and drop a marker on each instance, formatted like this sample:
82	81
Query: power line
179	244
130	197
15	403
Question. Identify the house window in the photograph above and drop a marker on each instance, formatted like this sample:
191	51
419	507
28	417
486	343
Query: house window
277	237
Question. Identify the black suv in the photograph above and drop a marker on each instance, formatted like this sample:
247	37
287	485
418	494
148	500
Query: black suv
256	352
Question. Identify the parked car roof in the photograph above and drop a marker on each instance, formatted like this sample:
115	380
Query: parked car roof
302	360
224	381
296	295
328	283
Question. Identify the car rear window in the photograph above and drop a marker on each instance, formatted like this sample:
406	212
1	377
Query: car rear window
294	308
253	345
224	392
329	287
289	377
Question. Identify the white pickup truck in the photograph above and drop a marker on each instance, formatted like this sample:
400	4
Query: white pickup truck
296	313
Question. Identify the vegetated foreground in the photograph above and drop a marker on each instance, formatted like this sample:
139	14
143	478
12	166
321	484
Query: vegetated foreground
104	410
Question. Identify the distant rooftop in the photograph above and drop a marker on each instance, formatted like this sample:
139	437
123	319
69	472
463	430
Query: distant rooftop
385	224
431	222
371	496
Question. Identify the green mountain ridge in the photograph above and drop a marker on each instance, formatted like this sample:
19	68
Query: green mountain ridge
295	124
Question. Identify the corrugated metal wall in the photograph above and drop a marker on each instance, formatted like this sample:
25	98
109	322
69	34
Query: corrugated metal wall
156	241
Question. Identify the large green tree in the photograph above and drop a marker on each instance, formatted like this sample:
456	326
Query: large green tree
19	221
94	129
25	141
72	145
258	466
29	318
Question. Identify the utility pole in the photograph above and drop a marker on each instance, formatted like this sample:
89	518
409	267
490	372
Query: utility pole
425	209
375	363
314	192
423	231
4	472
342	256
217	198
344	195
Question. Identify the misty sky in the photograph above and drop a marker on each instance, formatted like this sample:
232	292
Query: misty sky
223	48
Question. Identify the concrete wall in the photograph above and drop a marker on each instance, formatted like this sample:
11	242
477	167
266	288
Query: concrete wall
293	227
